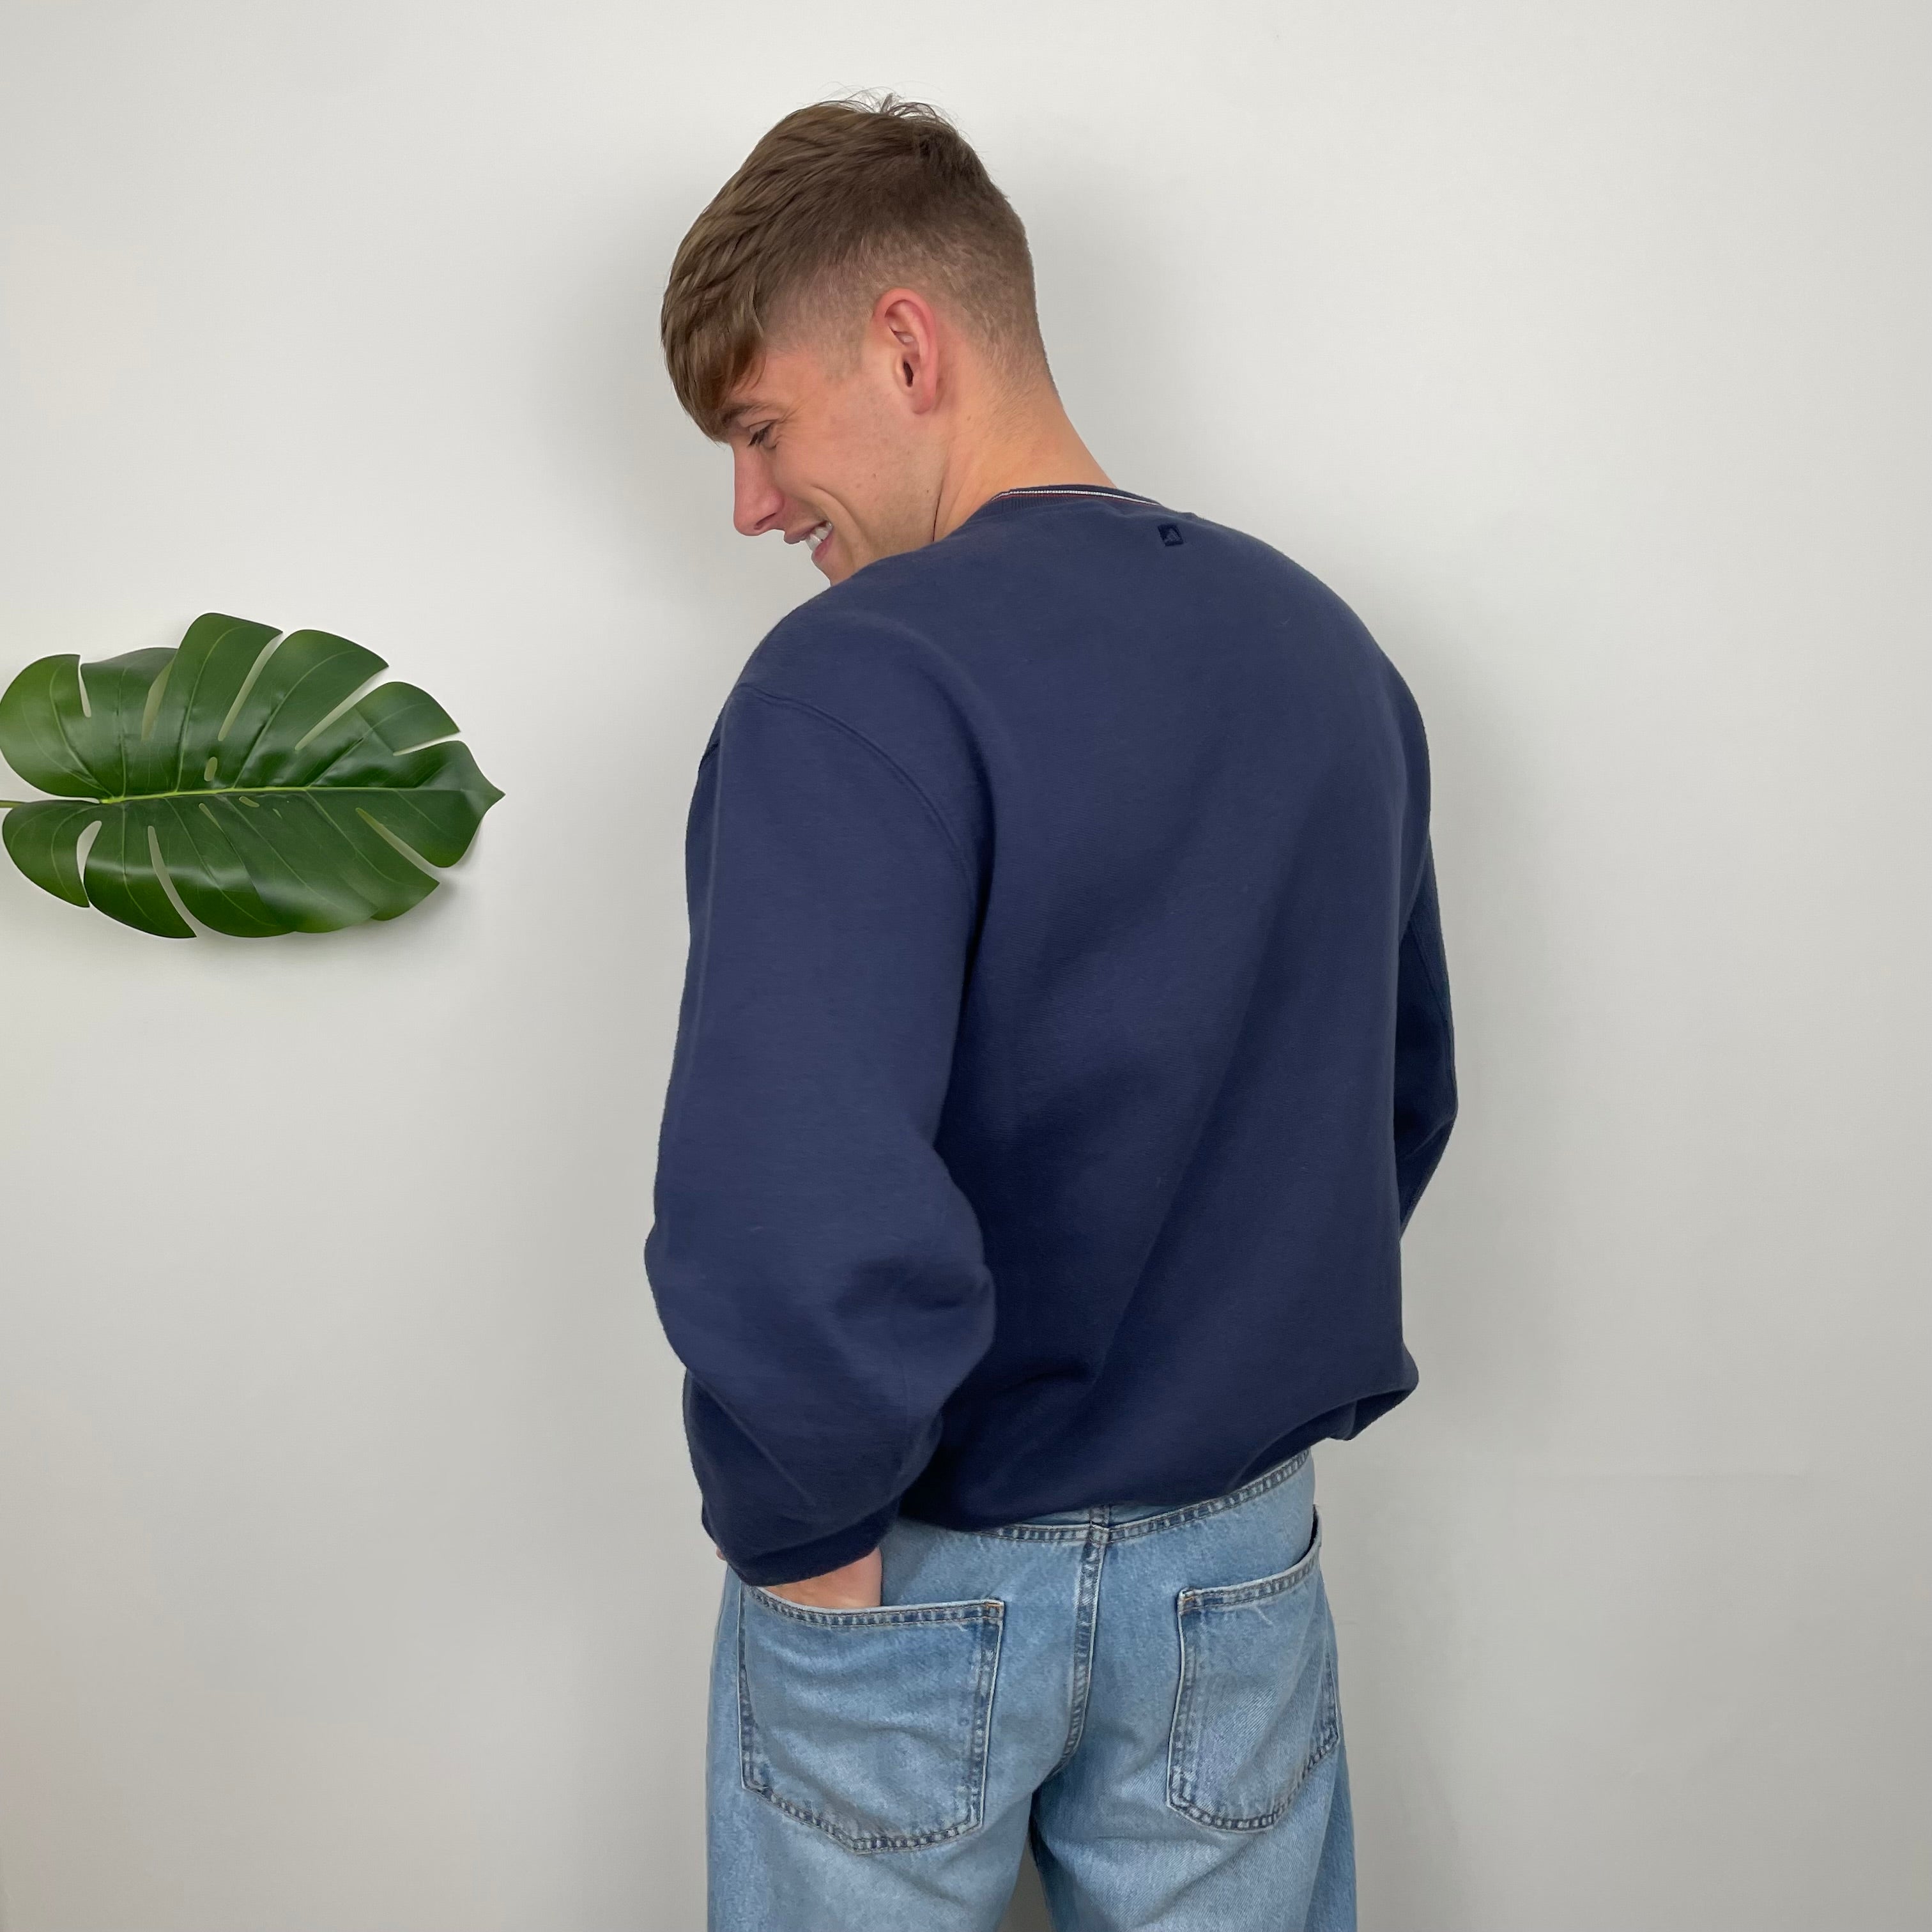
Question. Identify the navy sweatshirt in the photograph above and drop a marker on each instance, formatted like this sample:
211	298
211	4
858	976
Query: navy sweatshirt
1065	1035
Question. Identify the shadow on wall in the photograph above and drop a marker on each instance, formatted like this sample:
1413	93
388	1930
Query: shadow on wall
1027	1912
1491	1223
634	465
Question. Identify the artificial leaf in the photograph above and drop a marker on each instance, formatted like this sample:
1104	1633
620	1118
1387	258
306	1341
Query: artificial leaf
231	768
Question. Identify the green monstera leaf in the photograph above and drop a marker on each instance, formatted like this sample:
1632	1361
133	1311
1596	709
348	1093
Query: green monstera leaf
227	768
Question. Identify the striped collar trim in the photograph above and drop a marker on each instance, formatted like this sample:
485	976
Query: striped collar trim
1072	490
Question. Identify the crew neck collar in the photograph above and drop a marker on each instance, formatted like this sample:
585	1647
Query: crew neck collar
1049	492
1068	490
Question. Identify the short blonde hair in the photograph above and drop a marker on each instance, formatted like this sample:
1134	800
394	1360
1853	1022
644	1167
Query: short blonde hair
841	201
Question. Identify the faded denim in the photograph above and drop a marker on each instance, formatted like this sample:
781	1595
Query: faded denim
1149	1693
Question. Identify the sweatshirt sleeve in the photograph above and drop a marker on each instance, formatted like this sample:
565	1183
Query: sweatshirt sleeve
816	1269
1425	1048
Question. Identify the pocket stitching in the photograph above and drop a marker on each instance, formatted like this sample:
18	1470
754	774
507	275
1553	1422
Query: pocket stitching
1228	1596
990	1614
1326	1739
974	1610
1184	1732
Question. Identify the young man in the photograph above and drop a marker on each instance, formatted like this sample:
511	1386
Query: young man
1065	1041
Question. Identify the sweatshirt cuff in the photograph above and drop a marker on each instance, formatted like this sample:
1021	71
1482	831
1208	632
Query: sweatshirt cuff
801	1560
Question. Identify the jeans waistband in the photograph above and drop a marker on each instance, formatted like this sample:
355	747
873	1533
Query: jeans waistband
1115	1522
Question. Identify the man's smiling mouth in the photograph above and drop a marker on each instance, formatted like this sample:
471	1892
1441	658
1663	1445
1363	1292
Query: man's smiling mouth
817	535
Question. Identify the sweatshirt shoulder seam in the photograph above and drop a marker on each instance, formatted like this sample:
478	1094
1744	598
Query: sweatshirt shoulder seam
891	763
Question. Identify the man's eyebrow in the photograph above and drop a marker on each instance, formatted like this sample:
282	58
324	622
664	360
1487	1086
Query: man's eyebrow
739	410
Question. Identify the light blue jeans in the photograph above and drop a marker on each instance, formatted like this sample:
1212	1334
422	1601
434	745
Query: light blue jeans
1149	1693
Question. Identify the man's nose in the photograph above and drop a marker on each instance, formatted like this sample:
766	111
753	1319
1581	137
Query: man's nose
754	501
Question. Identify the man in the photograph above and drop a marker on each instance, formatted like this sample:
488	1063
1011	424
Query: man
1064	1043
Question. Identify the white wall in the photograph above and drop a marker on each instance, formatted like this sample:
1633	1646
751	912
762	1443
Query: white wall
350	1579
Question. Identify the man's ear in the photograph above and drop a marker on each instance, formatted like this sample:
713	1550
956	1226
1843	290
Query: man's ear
910	326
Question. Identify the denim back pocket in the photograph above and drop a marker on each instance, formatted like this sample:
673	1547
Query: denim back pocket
1256	1710
871	1725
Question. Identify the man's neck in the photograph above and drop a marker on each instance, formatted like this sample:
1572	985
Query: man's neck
1051	451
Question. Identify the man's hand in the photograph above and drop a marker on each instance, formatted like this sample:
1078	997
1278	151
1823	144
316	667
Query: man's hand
856	1587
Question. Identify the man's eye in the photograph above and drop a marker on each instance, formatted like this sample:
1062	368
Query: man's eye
757	438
